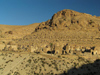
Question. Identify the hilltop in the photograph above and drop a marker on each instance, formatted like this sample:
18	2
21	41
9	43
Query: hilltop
72	20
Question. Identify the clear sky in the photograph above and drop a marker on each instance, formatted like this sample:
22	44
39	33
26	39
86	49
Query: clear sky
25	12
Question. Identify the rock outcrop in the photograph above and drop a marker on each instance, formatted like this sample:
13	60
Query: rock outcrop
71	20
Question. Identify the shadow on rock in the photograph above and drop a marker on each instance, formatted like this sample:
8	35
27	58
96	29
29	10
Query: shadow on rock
87	69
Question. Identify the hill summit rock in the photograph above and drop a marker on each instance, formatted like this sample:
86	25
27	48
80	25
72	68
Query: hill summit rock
69	19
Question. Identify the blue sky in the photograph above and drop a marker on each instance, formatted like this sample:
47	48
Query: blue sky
25	12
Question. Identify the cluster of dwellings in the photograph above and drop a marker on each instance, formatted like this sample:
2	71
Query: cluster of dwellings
4	47
17	48
51	49
70	49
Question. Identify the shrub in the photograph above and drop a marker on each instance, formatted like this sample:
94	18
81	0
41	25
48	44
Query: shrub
27	65
59	56
9	61
50	65
90	22
10	32
16	73
51	45
9	74
64	19
29	61
1	68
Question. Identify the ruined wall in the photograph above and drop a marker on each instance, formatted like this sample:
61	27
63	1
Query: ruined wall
2	46
96	51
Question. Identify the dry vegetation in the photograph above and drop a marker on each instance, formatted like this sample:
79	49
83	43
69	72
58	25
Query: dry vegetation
39	64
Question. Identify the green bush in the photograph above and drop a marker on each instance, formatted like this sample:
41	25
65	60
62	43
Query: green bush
29	60
90	22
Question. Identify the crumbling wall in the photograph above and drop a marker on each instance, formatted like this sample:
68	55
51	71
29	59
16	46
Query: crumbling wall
96	51
2	46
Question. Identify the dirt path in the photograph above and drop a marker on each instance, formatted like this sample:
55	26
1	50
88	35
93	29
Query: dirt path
13	66
50	56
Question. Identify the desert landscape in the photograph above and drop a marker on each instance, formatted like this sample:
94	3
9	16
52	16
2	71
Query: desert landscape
66	44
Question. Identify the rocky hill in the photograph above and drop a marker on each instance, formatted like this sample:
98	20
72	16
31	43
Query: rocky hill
66	26
72	20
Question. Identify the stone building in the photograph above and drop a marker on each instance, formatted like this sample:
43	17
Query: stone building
2	46
34	49
58	49
96	51
12	47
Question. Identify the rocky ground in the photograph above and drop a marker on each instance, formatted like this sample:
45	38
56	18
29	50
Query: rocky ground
42	64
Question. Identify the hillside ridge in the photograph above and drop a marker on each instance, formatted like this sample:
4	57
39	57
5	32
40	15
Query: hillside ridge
71	20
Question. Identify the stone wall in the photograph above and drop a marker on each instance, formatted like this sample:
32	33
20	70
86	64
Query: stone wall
34	49
12	47
96	51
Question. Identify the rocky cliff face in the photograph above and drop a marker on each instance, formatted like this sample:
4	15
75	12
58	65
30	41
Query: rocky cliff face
69	19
